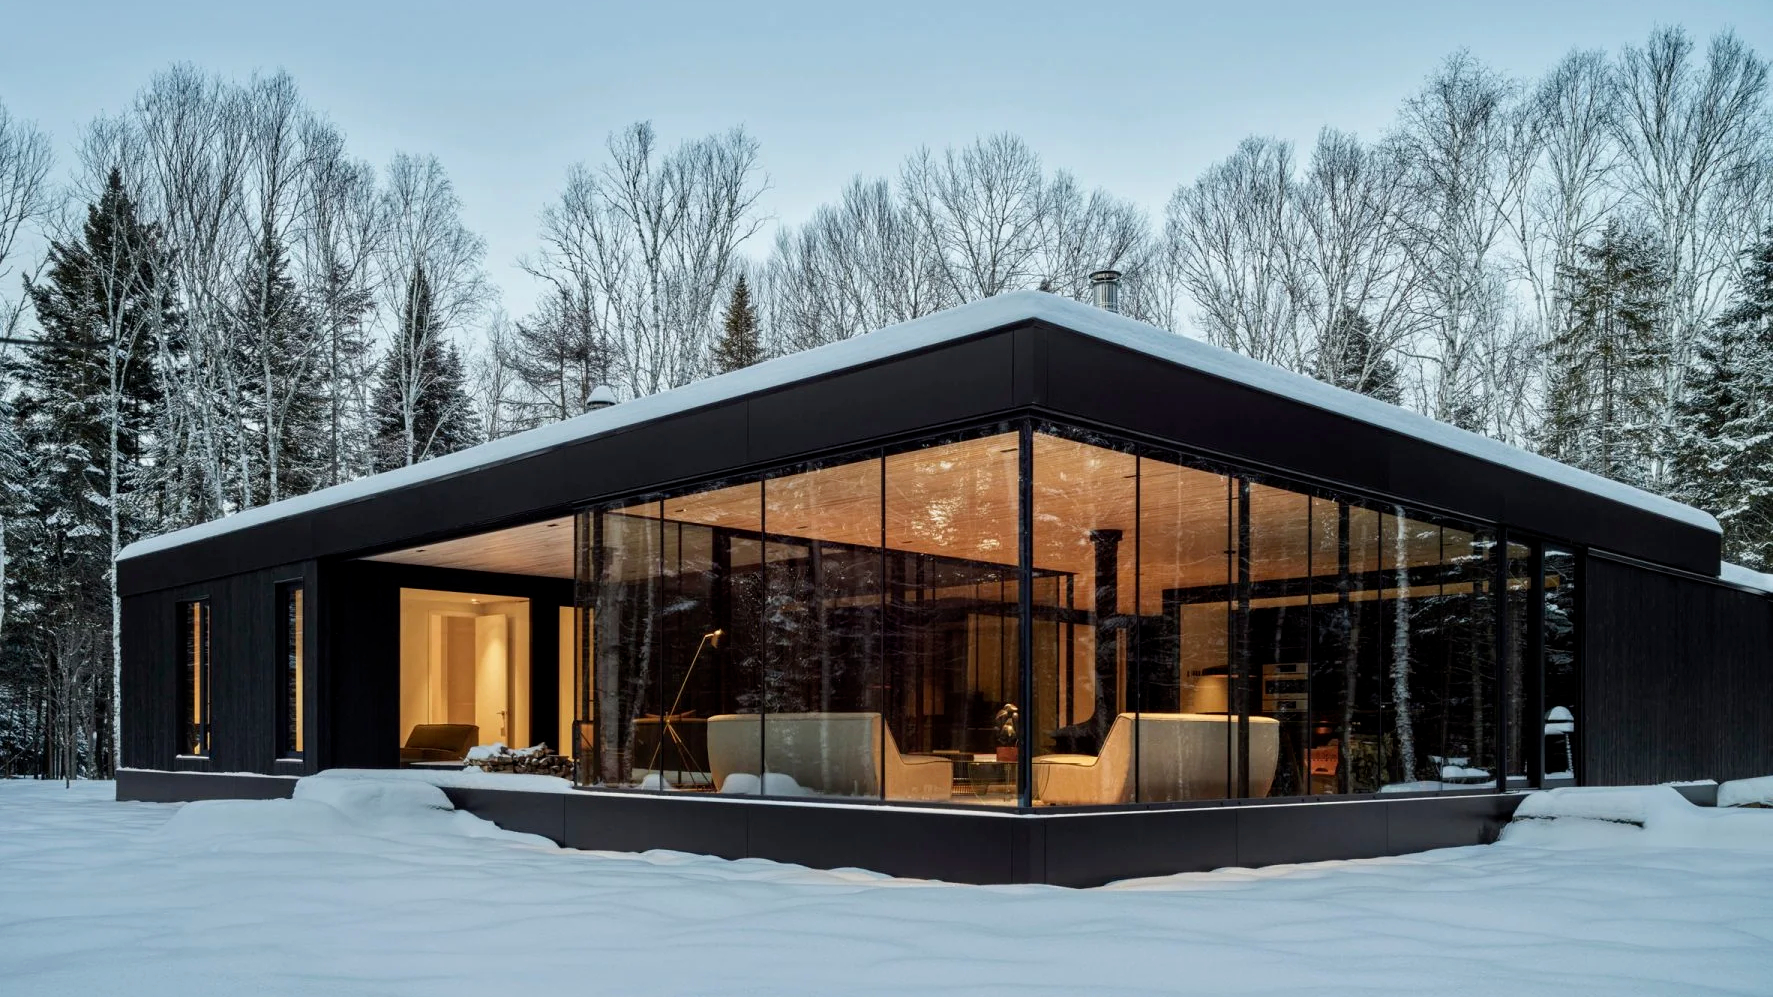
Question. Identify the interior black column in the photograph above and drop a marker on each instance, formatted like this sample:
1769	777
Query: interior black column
1107	610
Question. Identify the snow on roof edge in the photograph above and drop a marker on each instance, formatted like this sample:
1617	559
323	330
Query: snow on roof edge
953	323
1747	578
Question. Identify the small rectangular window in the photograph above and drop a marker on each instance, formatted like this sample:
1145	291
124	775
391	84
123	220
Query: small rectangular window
290	644
194	677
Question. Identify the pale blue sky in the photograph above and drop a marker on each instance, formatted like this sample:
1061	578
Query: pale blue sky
1136	97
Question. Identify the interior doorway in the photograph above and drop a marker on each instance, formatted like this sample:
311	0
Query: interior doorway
464	660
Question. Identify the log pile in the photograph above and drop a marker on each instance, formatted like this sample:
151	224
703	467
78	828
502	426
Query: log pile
537	760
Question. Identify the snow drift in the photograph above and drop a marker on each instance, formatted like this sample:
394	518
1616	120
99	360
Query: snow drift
327	809
1654	816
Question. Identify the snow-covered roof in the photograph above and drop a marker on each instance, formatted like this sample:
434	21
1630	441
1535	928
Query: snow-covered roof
1747	578
932	330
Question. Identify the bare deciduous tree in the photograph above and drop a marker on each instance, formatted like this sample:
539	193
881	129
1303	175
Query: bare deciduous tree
982	208
432	280
1353	257
1467	165
647	243
1233	243
25	197
1693	138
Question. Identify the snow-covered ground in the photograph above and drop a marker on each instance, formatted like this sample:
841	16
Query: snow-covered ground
366	887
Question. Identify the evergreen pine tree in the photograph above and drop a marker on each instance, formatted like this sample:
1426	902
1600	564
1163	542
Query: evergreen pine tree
740	344
281	378
1603	384
421	404
85	414
1349	358
1722	454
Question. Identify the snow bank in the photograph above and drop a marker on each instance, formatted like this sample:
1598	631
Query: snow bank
1658	816
328	809
1747	792
93	901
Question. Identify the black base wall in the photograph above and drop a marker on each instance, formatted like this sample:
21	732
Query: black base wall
151	786
1081	849
1678	678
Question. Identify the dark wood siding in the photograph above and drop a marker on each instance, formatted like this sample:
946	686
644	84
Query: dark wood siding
1677	678
246	661
351	682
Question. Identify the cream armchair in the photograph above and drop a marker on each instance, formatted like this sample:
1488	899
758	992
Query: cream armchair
828	754
1182	756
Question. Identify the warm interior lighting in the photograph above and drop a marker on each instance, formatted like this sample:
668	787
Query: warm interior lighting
465	659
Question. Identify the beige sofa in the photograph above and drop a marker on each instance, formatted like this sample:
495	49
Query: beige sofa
827	754
1182	756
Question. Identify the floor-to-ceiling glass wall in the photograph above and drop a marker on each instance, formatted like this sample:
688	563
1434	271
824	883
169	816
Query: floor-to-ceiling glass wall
1197	630
1226	634
842	629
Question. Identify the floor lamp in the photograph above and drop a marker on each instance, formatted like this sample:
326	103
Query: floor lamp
667	722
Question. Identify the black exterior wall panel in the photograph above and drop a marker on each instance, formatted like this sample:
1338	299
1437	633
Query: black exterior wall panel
1091	849
1677	678
899	841
149	693
636	823
1311	832
969	380
151	786
515	810
246	671
1451	821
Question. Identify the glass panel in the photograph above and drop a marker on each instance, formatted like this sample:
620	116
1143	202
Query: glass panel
951	679
290	669
1085	533
1469	619
1409	614
194	672
1186	573
1563	682
1333	616
1274	673
823	596
1518	595
625	553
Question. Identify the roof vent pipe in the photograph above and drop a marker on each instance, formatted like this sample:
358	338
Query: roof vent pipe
1105	290
601	397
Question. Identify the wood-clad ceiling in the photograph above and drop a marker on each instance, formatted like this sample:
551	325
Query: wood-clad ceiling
543	549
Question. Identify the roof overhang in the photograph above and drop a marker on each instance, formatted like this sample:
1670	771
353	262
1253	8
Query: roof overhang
1027	352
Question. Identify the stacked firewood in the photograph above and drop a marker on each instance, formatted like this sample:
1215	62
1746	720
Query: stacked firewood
537	760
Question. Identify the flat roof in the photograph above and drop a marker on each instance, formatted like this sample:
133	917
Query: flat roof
932	330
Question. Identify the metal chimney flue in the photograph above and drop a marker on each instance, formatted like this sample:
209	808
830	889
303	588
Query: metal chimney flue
1105	290
601	397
